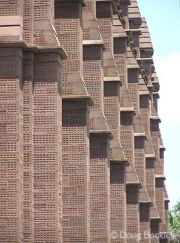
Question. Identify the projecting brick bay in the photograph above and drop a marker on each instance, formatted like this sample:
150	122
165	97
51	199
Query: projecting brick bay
81	152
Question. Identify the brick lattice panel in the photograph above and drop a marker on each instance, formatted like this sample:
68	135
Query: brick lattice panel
70	36
144	222
166	207
155	230
121	63
47	145
159	183
139	161
28	21
11	146
127	141
93	75
75	167
118	197
28	146
99	189
134	93
144	112
112	106
132	212
155	142
57	180
105	26
150	180
11	8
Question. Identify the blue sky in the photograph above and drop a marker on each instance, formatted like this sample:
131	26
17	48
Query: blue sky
163	19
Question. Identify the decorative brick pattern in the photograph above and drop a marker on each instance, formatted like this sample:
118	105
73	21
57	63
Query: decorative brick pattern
81	152
11	146
75	169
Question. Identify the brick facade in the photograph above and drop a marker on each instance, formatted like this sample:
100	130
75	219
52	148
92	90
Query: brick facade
81	152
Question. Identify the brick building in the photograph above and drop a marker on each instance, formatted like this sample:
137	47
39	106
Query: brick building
81	153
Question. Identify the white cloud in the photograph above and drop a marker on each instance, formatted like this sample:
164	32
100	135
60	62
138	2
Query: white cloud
168	71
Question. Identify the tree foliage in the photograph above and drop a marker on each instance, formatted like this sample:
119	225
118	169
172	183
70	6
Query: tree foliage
174	223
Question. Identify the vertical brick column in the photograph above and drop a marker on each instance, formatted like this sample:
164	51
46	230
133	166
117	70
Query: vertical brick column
111	76
159	177
134	24
11	145
28	21
93	73
132	181
140	165
47	130
150	181
139	158
104	18
75	164
146	48
149	156
99	188
159	186
132	207
150	185
127	134
118	200
68	24
145	111
164	240
133	78
166	206
166	211
120	55
155	99
43	16
112	113
112	107
147	68
28	74
135	37
154	128
155	231
124	8
99	144
145	222
118	168
161	154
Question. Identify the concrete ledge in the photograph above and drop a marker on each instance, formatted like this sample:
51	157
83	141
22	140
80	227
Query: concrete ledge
144	93
112	79
33	48
81	1
153	156
13	44
133	183
14	20
155	118
121	35
79	98
127	109
93	42
139	135
160	177
133	66
126	162
102	132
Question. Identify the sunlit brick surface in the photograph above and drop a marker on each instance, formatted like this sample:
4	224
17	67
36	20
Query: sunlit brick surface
81	152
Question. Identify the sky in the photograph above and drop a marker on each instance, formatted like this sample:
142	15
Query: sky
163	20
